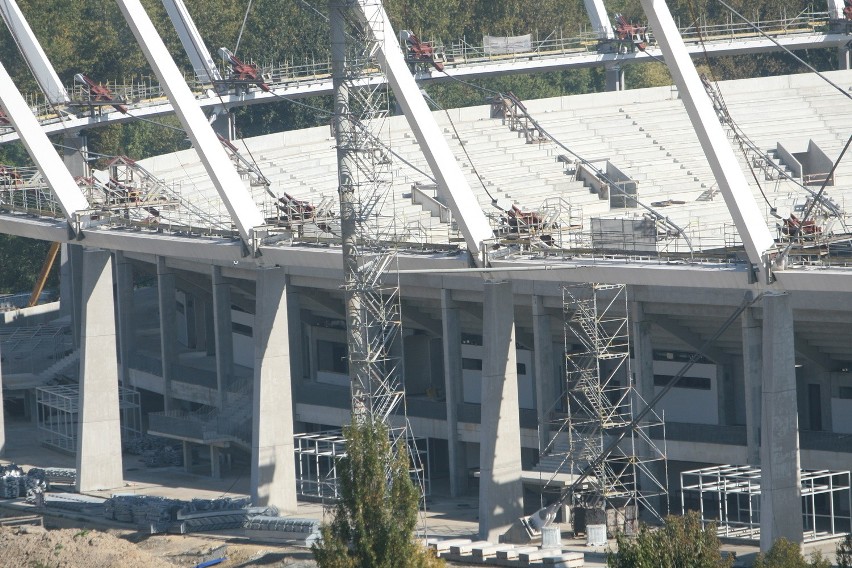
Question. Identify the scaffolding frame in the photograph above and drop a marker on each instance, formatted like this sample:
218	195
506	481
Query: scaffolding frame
317	454
57	409
600	401
729	496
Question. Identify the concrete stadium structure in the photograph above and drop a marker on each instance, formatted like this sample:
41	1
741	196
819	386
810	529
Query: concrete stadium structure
235	333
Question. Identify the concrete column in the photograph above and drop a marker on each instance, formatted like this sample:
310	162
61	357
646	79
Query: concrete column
187	455
166	291
124	313
273	467
780	490
66	287
643	352
2	417
210	329
752	369
844	58
643	370
75	255
614	78
500	488
454	392
99	427
215	466
294	318
223	336
546	389
75	153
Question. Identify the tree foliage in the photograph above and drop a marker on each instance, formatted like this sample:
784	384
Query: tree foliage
843	552
680	542
373	524
785	554
20	263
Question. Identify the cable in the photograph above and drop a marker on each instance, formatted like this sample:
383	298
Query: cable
458	137
242	28
777	43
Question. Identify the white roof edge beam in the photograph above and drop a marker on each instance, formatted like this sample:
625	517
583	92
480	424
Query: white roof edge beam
451	181
600	20
202	62
226	180
31	49
749	221
41	150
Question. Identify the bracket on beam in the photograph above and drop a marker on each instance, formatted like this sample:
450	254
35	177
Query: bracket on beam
237	199
746	215
44	155
451	181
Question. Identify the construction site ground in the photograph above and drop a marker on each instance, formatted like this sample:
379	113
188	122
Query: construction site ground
69	540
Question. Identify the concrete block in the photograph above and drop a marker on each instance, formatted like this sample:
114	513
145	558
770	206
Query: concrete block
461	549
514	552
444	545
527	557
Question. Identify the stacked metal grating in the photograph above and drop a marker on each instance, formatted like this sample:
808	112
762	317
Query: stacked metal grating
158	514
155	450
300	531
15	483
74	502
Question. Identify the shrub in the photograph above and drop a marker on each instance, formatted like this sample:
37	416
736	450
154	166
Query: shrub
681	541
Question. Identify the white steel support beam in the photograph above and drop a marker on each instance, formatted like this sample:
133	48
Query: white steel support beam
747	217
451	181
600	20
225	178
31	49
38	146
199	56
835	9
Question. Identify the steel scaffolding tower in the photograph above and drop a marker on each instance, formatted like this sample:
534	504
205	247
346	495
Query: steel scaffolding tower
601	402
373	316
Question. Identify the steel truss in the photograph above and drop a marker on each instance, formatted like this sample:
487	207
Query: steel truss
601	402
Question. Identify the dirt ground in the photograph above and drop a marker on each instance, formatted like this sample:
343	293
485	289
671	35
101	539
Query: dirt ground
38	547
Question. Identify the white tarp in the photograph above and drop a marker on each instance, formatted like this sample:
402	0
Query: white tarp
499	45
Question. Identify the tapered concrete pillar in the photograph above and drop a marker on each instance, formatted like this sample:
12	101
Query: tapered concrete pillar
752	370
780	490
546	388
124	313
454	392
215	462
99	426
273	468
166	293
222	333
500	488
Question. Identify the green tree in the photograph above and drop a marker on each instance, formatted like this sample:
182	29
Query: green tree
681	541
843	552
373	523
786	554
